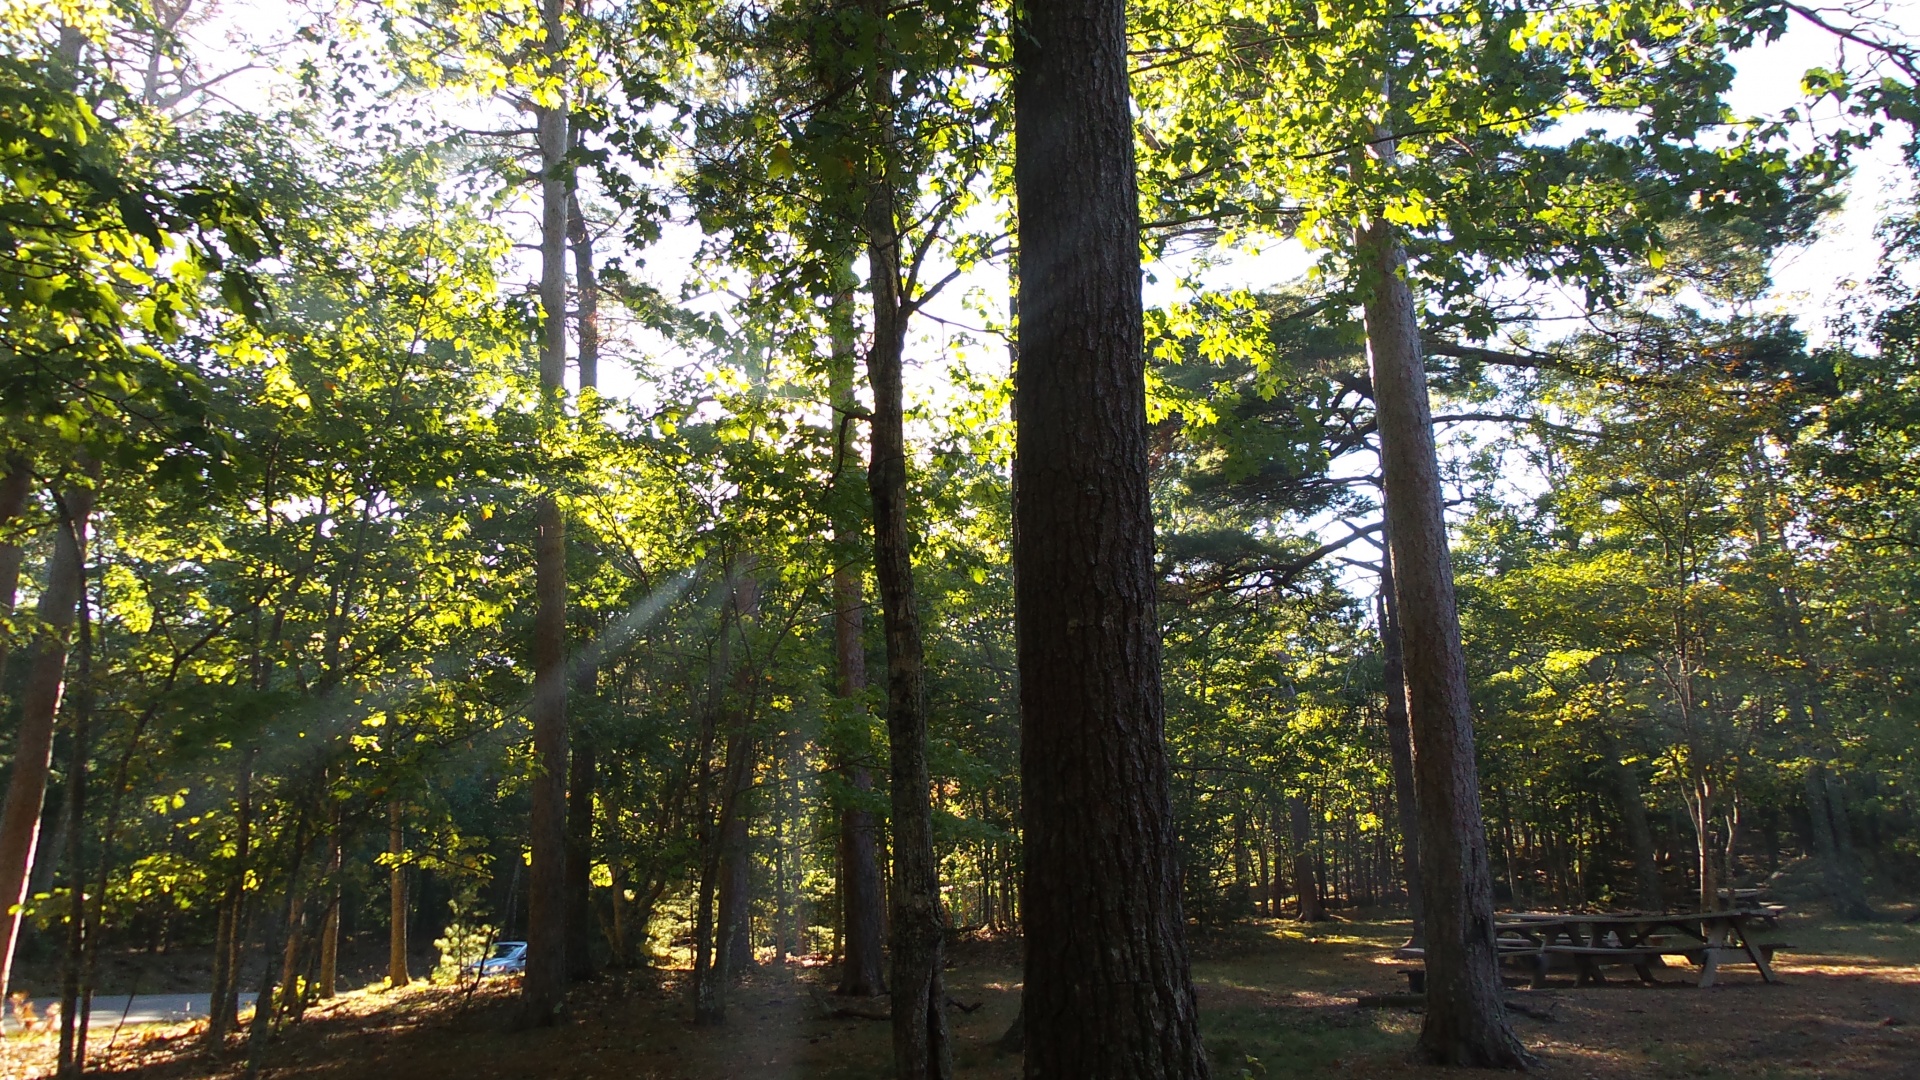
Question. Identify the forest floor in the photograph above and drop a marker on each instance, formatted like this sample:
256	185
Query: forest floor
1277	999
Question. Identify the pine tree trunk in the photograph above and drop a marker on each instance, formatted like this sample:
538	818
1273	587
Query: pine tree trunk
397	973
862	898
1400	748
545	983
39	705
1108	990
921	1046
1466	1024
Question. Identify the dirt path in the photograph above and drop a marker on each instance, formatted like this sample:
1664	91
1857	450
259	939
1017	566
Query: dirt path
1277	1000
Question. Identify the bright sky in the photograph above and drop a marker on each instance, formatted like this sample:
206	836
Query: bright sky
1809	282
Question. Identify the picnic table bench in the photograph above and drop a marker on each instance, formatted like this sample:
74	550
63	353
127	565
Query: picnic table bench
1707	938
1588	942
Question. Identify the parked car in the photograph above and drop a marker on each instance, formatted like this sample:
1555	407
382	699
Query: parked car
509	958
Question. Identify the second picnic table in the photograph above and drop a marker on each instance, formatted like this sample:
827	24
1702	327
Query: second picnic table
1709	938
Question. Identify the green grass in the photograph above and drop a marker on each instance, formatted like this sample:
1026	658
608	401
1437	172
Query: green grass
1250	1043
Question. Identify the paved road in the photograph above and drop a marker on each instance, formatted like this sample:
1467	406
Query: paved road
112	1010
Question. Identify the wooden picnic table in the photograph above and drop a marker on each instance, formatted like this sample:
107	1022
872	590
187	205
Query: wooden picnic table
1710	938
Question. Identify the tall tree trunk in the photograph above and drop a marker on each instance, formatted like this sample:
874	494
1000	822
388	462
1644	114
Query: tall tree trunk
922	1047
223	1009
330	929
586	296
1466	1024
545	982
15	485
862	897
581	775
1400	747
39	705
397	973
1310	904
735	953
73	1019
1108	990
735	944
709	990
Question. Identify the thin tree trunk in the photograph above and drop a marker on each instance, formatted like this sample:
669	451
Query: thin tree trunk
582	774
73	1022
223	1010
1400	748
709	991
39	705
397	971
330	930
1108	990
15	486
261	1030
618	937
1466	1023
921	1045
862	897
586	296
545	982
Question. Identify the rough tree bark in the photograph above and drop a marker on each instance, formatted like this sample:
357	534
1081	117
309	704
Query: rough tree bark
1108	990
862	897
39	705
921	1045
545	983
1400	747
1466	1023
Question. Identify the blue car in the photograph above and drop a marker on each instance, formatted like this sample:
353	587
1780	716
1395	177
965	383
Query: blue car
509	958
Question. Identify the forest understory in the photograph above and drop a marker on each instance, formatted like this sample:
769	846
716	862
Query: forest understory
1278	998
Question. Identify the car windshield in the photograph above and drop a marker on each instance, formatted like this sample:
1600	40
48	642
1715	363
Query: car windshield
504	949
